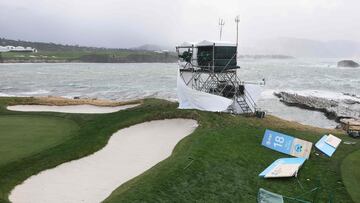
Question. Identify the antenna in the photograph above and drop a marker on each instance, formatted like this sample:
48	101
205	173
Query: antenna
237	20
221	24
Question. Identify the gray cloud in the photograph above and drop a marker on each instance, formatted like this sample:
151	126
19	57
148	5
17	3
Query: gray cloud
127	23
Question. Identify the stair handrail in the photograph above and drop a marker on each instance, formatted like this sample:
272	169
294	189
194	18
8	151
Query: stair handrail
251	100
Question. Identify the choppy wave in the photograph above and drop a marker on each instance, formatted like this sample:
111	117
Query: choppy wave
35	92
268	94
326	94
318	77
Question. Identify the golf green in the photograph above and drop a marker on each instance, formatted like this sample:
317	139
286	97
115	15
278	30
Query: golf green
22	136
219	162
350	170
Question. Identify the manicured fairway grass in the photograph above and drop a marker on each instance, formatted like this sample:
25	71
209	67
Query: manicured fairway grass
219	162
228	157
22	136
350	169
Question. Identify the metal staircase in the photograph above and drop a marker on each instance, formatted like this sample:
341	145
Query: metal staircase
246	103
241	100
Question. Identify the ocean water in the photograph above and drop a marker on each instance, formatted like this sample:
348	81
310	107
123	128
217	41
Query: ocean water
133	81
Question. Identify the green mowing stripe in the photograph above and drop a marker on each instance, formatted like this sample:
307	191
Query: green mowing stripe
94	132
350	170
22	135
225	153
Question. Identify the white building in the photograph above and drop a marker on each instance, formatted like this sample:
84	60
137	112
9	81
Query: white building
3	49
16	49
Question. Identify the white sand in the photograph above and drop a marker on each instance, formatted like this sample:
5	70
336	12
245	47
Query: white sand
129	152
70	108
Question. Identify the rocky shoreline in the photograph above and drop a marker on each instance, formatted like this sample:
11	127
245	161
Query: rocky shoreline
343	109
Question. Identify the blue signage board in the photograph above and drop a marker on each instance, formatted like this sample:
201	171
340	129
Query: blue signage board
277	141
283	161
325	147
286	144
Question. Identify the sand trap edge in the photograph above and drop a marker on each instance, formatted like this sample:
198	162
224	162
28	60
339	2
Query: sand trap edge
169	126
80	109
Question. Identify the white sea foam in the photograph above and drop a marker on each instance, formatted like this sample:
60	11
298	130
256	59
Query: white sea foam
134	81
35	92
268	94
324	94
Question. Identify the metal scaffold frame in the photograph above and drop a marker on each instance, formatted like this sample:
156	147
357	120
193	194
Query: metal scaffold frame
211	67
225	83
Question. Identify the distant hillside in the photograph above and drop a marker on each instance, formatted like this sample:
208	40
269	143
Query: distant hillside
310	48
52	53
260	56
44	46
154	47
148	47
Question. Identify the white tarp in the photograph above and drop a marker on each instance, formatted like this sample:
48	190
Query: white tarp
192	99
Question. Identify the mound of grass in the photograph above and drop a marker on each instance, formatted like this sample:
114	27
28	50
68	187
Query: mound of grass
227	158
350	170
219	162
22	136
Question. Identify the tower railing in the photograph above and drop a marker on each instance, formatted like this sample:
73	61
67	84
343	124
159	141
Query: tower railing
208	78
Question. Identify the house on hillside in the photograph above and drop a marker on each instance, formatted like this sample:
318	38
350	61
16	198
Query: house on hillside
3	49
16	49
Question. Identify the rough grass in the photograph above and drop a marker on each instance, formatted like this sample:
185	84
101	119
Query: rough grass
350	169
228	157
219	162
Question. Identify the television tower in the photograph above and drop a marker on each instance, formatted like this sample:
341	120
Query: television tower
221	24
237	20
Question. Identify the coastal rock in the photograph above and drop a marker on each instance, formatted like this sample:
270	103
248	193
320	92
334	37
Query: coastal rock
348	63
351	95
335	109
351	125
350	101
350	121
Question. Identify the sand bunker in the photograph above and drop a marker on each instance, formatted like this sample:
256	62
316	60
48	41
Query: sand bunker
71	108
129	152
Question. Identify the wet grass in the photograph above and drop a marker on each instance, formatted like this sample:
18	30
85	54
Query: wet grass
227	158
22	135
350	169
219	162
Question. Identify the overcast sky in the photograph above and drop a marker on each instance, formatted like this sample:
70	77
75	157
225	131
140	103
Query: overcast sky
129	23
